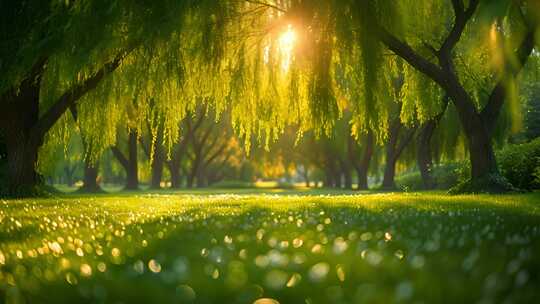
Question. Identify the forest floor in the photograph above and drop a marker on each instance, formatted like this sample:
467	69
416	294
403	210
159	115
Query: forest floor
236	246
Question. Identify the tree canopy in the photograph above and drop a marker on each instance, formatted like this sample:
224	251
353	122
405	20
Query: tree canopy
272	64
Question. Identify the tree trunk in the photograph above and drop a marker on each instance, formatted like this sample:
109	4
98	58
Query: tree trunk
363	167
20	114
389	172
132	170
157	169
348	179
306	176
483	162
329	179
201	179
337	179
391	147
90	180
69	171
424	155
190	181
346	173
394	148
22	158
130	163
176	181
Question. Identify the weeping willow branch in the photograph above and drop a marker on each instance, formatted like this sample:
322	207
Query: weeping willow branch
71	96
497	96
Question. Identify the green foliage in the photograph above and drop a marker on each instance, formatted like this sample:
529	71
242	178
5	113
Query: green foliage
532	112
491	183
519	164
445	176
537	174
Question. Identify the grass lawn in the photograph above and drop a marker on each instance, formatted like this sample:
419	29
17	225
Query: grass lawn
295	247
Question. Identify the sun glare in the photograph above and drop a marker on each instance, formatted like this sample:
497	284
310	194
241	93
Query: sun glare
287	41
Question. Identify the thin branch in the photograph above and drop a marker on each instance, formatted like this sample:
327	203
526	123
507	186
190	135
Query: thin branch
265	4
462	16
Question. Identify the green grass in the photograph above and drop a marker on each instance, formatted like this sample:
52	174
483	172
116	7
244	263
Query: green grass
295	247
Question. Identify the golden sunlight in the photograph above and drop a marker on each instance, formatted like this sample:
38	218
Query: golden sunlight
287	41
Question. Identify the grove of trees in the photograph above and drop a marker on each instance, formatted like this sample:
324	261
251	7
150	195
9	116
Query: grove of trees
198	91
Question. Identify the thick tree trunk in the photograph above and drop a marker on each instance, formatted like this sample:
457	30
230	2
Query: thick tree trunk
22	158
20	115
90	180
132	170
483	162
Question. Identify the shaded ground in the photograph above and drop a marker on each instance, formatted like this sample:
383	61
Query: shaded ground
197	248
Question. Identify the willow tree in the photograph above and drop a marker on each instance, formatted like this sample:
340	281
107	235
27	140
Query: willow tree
472	52
505	46
54	52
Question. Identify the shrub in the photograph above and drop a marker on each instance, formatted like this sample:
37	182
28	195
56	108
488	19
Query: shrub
537	174
520	164
444	175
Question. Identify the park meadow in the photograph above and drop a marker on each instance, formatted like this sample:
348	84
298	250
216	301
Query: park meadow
269	151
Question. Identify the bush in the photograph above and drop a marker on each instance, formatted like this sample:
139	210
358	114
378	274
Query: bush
491	183
445	177
537	175
520	164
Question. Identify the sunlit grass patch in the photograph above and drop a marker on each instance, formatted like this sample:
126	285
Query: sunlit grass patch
231	248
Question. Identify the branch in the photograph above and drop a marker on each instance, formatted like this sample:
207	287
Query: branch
405	51
462	16
120	157
145	147
215	154
265	4
71	96
409	134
